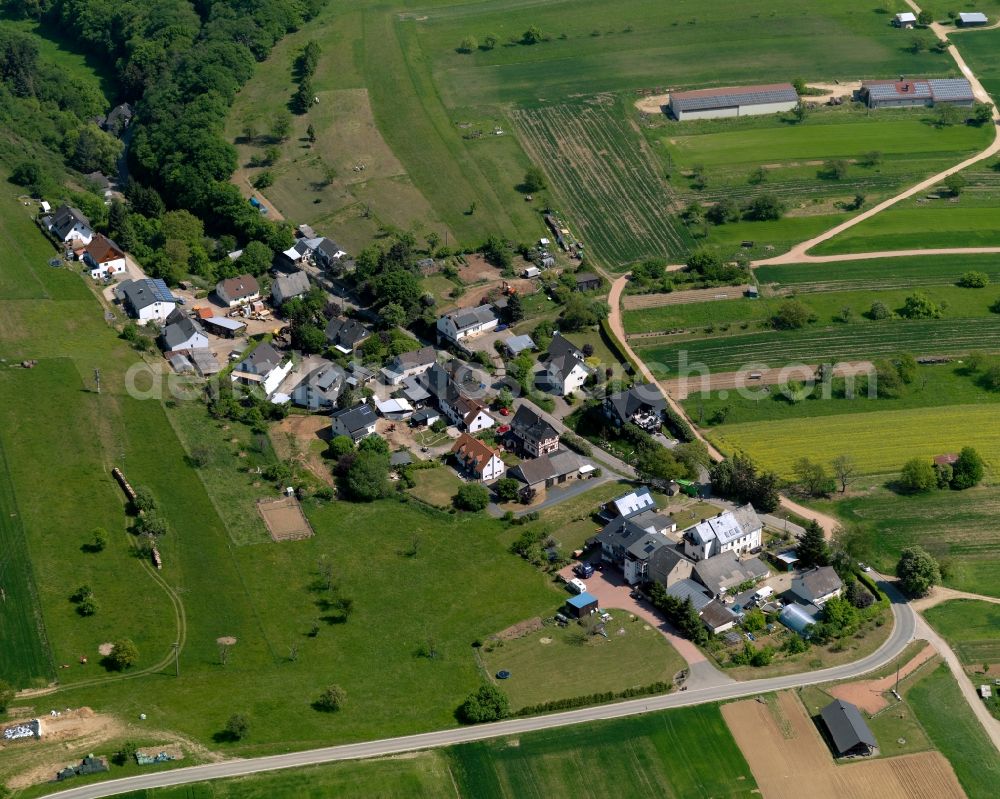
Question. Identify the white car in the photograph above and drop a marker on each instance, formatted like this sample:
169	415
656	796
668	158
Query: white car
577	586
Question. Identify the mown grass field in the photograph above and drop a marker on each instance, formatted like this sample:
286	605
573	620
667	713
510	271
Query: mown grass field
826	307
956	526
934	386
728	353
597	163
436	486
606	758
557	663
877	274
915	432
956	733
647	44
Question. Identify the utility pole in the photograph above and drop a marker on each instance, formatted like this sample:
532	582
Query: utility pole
177	662
97	379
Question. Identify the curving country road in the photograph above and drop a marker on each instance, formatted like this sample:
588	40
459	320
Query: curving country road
903	632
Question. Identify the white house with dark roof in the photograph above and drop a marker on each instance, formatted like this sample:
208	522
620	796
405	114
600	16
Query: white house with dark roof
182	334
565	368
69	225
734	531
264	367
146	300
737	101
534	435
356	423
467	323
238	290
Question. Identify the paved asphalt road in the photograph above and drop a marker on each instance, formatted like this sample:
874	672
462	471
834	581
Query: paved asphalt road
902	633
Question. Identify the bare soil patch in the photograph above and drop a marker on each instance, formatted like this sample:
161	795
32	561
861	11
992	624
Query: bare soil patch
284	519
869	695
294	436
521	629
477	270
653	104
785	753
632	302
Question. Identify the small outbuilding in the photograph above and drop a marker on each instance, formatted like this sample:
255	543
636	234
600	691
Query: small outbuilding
582	605
968	19
905	20
799	618
850	735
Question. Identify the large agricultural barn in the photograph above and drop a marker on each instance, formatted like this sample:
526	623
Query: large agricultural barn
916	91
740	101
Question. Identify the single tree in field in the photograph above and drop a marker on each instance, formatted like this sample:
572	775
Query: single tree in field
486	703
281	126
468	44
124	654
332	699
917	571
534	180
237	727
472	497
917	476
845	470
490	41
954	183
812	549
925	18
311	133
968	470
250	132
433	240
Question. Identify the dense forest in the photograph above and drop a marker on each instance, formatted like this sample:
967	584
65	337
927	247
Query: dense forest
180	64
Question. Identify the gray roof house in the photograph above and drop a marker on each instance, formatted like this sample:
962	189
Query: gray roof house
565	369
630	504
181	334
69	223
642	405
667	564
466	323
357	422
287	286
689	589
147	299
408	364
346	334
817	586
850	734
320	388
726	571
736	101
264	367
548	470
717	617
738	530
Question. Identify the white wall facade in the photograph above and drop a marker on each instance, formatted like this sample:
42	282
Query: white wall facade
735	111
157	312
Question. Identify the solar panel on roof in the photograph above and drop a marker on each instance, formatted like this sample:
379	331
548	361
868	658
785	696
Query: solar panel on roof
160	290
951	89
735	97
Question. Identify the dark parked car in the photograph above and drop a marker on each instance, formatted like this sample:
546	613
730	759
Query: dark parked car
584	570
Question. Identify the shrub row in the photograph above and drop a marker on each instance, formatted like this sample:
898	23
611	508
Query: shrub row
594	699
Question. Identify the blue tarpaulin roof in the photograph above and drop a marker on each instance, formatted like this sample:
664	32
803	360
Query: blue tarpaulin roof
581	600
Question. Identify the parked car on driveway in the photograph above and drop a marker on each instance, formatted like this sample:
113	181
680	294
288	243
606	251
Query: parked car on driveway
584	570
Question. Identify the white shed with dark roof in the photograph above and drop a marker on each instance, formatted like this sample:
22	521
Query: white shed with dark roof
737	101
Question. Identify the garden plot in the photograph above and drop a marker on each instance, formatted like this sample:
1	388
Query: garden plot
284	519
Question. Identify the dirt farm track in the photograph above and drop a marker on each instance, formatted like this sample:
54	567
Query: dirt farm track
786	753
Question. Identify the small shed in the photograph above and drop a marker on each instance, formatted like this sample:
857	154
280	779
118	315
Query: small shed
849	733
587	281
224	326
518	344
787	559
424	417
985	691
905	19
582	604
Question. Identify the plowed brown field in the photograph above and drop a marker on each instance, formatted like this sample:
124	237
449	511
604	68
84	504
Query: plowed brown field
789	759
